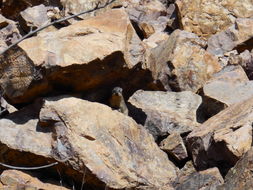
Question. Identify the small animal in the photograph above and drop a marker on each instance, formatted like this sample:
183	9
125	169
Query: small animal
117	101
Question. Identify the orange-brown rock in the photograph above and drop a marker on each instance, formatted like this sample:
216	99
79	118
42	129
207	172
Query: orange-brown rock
224	138
111	145
89	54
174	146
15	180
207	17
183	61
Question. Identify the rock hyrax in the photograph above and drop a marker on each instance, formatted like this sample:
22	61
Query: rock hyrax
117	101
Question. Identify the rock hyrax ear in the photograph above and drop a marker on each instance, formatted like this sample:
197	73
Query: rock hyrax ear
117	91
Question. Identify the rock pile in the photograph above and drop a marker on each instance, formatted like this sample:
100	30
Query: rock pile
185	68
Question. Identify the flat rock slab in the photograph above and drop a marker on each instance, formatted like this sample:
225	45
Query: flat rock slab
223	138
167	112
229	86
112	146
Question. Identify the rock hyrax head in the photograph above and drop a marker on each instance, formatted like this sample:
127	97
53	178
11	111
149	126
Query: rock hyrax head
117	91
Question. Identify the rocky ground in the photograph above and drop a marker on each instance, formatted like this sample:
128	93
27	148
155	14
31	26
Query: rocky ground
182	122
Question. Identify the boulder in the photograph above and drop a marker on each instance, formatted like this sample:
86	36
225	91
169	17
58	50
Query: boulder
71	7
224	138
184	55
117	150
174	146
204	180
72	59
149	17
238	36
165	113
13	179
11	9
207	17
34	17
240	176
229	86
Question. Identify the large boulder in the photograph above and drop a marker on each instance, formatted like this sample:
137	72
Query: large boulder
93	53
224	138
164	113
229	86
238	36
182	58
117	150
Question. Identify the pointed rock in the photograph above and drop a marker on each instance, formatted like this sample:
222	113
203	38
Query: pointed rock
224	138
111	145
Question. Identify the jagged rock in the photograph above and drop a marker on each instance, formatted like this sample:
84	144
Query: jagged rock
149	16
187	170
111	145
24	143
207	17
232	37
245	59
34	17
184	55
89	54
165	112
174	145
240	176
4	105
13	179
9	32
204	180
224	138
229	86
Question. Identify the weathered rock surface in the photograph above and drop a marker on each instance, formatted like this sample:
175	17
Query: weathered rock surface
34	17
77	6
181	62
149	17
174	145
245	59
14	180
236	36
9	32
204	180
207	17
166	112
229	86
111	145
224	138
61	60
240	176
11	9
